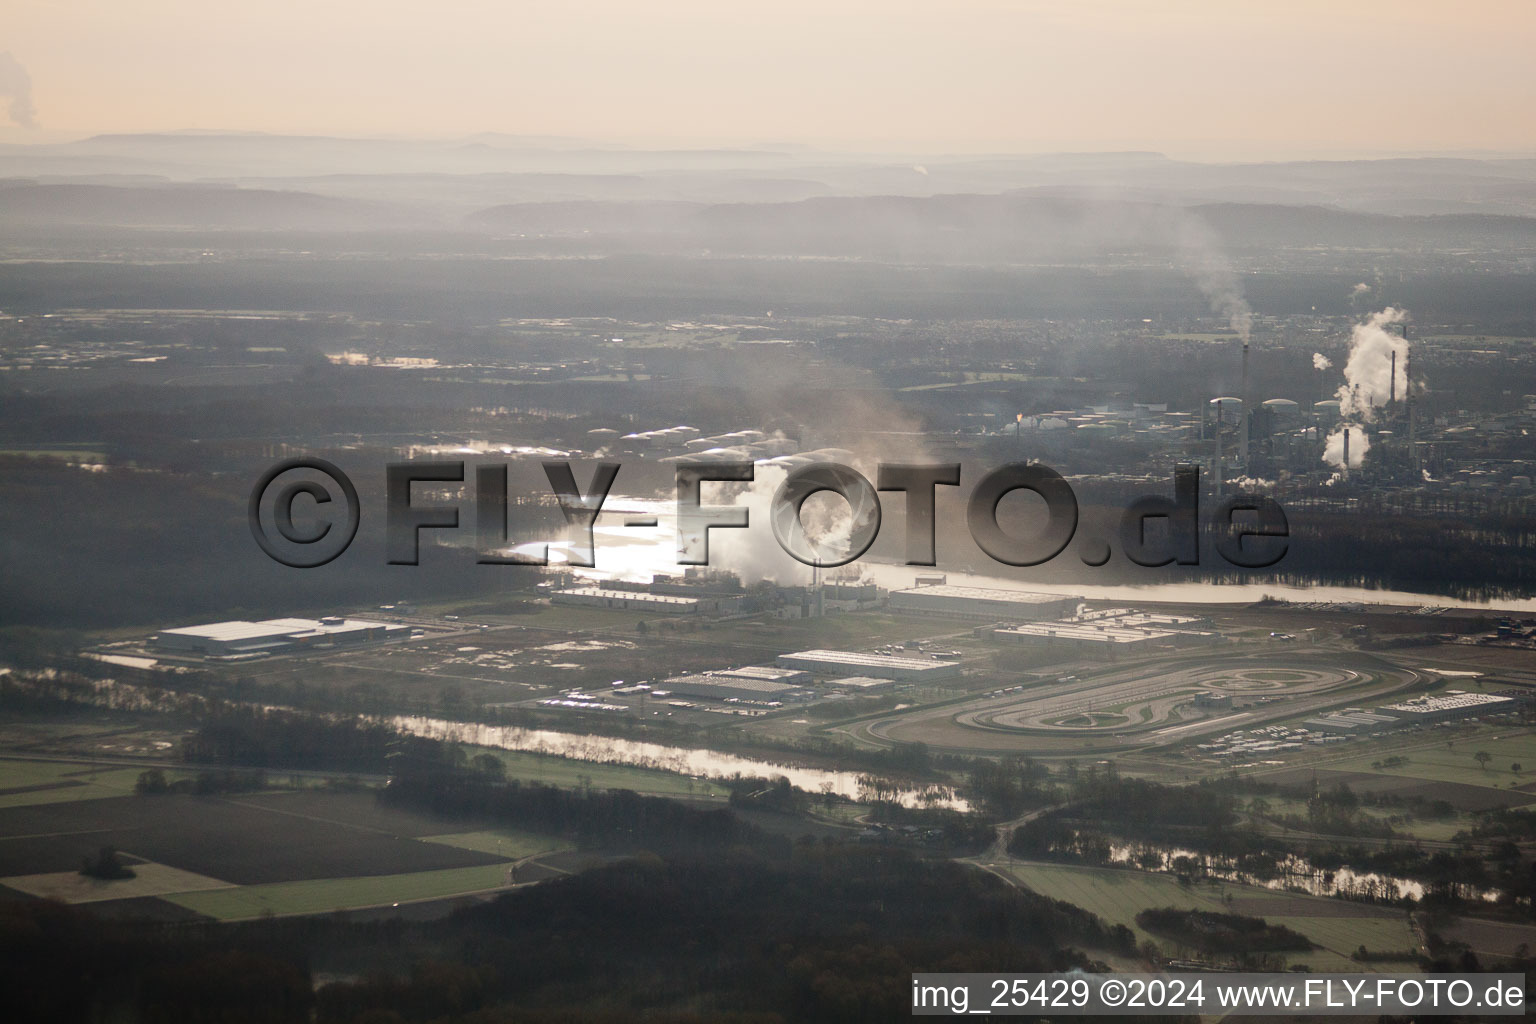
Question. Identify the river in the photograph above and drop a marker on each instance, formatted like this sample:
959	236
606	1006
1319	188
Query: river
687	761
630	554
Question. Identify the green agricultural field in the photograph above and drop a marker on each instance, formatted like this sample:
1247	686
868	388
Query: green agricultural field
1115	895
1416	828
1118	895
150	879
1346	934
322	895
1436	762
28	783
501	842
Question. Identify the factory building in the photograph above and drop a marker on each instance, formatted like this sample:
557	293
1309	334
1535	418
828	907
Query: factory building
271	636
767	674
862	684
1154	620
716	686
1449	706
1352	722
860	592
1087	636
953	602
1188	630
628	600
840	664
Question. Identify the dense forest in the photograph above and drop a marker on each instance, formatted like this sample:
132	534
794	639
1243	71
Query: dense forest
1210	932
1137	823
821	933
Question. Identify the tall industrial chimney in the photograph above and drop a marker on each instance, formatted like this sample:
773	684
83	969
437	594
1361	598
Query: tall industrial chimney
1392	388
1346	453
1408	390
1247	406
1413	449
1216	436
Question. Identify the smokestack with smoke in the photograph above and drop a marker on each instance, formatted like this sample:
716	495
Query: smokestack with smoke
1372	378
1346	448
1201	252
1247	404
1371	375
17	84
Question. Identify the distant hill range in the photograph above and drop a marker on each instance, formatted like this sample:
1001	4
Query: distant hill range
453	177
1024	225
1012	226
187	206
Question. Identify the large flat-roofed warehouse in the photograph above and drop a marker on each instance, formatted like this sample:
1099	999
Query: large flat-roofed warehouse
861	684
838	664
983	603
270	636
767	674
1090	635
1148	620
712	686
632	600
1448	706
1352	721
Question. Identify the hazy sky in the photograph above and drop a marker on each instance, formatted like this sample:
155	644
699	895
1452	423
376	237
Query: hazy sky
1189	77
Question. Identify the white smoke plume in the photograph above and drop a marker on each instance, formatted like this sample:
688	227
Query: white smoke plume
1359	444
1359	291
1201	253
17	84
759	557
1320	361
1368	372
1114	218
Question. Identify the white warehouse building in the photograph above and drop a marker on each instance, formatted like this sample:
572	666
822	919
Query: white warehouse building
840	664
991	603
631	600
271	636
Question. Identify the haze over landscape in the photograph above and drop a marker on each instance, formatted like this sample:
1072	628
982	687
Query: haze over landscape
1173	366
1193	78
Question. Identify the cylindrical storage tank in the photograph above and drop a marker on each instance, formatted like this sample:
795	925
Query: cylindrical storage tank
1227	409
1283	410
